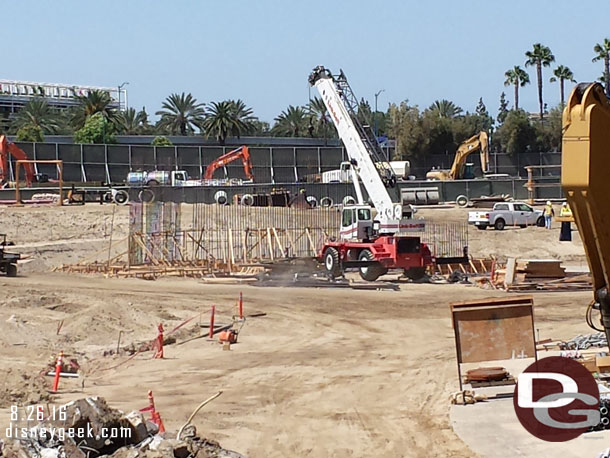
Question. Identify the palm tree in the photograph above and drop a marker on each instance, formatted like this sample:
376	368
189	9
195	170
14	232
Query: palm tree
318	112
518	77
291	122
131	122
180	114
562	74
540	56
444	109
603	53
95	101
37	113
230	117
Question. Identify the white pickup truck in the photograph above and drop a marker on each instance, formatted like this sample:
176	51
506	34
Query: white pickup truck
507	214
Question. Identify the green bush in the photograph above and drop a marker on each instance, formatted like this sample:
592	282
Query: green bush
160	140
30	134
97	129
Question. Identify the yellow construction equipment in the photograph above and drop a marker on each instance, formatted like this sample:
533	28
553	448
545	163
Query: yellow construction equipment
585	173
478	142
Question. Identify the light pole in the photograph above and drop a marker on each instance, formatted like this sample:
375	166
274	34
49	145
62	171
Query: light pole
121	87
375	115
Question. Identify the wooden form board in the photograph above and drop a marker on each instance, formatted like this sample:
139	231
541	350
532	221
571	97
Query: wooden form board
494	329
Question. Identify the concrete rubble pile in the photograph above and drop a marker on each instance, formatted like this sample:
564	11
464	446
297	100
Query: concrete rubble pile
90	428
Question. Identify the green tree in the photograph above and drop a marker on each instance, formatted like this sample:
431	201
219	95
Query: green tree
131	122
540	56
96	101
180	114
517	77
404	124
227	118
516	134
317	111
97	129
548	133
160	140
30	133
444	109
503	110
603	53
37	114
292	122
261	128
562	74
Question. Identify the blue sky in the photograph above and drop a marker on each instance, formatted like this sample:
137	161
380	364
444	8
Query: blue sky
263	50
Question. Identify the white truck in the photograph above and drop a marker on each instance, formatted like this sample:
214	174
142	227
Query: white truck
507	214
401	169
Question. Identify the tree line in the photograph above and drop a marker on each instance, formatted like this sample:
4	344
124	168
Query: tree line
440	128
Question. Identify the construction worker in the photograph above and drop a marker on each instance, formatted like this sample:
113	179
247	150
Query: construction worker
548	214
566	226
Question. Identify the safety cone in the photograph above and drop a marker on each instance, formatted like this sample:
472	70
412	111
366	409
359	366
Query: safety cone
212	313
154	415
58	366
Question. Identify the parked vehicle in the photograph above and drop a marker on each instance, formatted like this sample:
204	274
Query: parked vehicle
161	178
507	214
343	174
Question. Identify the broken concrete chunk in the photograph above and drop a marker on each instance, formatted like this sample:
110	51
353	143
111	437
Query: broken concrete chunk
136	422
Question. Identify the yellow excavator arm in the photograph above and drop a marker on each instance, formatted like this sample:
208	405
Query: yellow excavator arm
478	142
585	178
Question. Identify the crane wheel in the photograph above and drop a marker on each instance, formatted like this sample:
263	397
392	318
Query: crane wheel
372	272
146	195
331	262
221	198
326	202
247	200
121	197
313	202
11	270
415	273
349	200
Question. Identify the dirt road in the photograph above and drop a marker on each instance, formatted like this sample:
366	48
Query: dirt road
324	373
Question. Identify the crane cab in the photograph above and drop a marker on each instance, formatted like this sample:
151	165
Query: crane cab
356	222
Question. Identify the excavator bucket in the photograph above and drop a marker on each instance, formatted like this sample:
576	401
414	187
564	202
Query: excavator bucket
585	173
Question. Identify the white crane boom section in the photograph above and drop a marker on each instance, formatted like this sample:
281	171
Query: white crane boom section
357	152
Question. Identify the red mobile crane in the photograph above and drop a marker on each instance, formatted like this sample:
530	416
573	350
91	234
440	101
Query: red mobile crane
240	153
6	148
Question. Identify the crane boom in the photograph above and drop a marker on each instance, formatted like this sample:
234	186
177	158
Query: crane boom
361	149
585	169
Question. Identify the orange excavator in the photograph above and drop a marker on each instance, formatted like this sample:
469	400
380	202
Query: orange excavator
9	148
240	153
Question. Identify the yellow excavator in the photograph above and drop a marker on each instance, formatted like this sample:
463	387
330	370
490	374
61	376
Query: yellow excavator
478	142
585	168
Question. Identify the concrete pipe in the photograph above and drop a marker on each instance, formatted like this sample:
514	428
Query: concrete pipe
221	198
313	202
146	196
326	202
120	197
247	200
462	201
349	200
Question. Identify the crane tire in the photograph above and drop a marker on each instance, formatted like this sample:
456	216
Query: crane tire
326	202
372	272
221	198
247	200
313	202
121	197
146	195
349	200
331	262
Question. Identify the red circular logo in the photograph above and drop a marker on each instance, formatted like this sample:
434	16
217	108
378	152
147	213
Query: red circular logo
556	399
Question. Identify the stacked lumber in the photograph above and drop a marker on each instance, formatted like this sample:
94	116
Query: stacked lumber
539	268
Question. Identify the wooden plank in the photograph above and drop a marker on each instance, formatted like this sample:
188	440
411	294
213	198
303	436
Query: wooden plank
509	276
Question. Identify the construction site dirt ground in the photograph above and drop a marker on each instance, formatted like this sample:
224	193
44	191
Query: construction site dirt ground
325	372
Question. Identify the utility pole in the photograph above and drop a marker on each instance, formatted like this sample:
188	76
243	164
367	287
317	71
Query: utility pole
375	114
